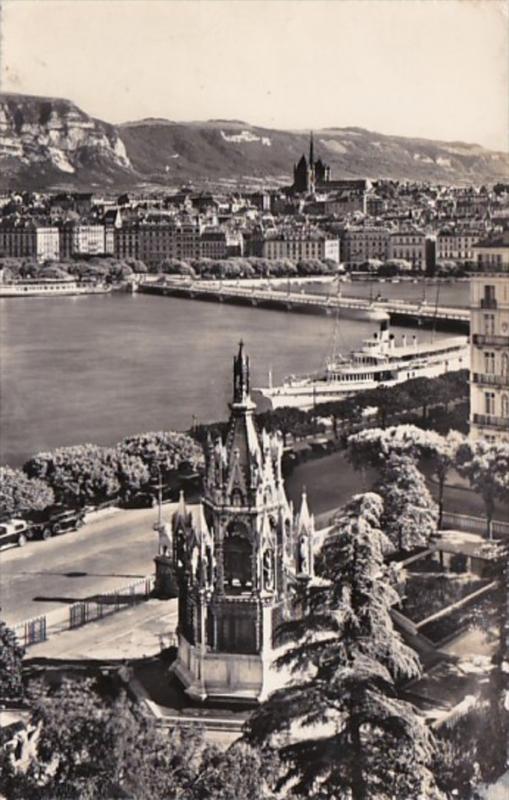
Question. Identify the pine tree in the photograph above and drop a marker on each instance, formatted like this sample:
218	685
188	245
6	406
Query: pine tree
339	726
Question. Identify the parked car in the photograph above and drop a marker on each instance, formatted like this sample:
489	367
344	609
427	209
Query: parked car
56	520
149	498
15	531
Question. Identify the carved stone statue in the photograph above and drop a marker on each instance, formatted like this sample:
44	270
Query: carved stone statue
268	570
303	556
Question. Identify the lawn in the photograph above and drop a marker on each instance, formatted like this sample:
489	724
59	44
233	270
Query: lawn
479	614
427	593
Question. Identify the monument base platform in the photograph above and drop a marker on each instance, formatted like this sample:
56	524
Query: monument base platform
224	677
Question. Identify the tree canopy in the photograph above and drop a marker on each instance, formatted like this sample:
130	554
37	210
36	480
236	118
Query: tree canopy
19	494
91	748
78	475
486	467
166	450
410	514
339	726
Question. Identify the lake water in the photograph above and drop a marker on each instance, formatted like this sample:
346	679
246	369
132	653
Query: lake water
456	293
97	368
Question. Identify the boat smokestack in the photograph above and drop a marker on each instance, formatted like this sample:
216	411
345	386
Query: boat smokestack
414	340
403	340
391	341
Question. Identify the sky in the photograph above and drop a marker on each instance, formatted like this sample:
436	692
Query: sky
437	69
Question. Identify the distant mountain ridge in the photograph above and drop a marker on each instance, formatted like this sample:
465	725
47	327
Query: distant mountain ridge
48	143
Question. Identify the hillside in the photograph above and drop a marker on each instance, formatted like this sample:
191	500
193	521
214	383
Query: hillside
50	143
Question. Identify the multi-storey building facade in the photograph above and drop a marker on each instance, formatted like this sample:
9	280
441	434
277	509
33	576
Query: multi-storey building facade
455	245
47	244
213	244
301	244
18	241
88	240
489	328
126	241
358	245
410	245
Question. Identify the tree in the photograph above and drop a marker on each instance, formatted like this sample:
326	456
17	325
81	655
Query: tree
375	445
441	452
90	748
288	420
486	467
132	472
19	494
241	772
11	658
78	475
164	450
410	514
339	726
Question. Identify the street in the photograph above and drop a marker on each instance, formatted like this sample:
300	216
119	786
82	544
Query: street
105	554
116	550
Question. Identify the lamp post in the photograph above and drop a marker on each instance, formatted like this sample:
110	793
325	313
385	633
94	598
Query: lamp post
159	487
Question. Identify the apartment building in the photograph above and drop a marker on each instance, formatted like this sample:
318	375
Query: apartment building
47	244
410	245
455	245
88	240
360	244
18	241
300	244
489	330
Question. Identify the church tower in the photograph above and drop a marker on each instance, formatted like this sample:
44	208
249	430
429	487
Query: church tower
239	555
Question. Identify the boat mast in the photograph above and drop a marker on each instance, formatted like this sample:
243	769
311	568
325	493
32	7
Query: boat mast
433	330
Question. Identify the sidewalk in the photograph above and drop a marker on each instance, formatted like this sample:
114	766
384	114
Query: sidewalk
137	632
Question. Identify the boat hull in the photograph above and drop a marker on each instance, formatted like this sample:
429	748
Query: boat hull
307	394
33	291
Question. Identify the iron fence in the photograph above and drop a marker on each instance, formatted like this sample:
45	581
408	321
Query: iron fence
39	629
469	524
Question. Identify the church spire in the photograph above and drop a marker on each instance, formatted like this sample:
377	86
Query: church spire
240	376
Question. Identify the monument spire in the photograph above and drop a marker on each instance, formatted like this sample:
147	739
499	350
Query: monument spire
241	376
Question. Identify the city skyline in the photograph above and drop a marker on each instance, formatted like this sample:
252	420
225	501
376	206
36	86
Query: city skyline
406	68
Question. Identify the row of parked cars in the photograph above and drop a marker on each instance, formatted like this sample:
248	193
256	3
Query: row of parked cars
61	519
41	526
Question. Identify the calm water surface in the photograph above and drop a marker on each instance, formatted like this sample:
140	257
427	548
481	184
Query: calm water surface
97	368
445	294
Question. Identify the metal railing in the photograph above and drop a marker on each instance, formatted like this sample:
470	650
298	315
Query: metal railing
490	379
470	524
491	420
39	629
490	339
488	302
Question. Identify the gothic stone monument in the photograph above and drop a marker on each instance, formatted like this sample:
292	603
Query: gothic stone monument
238	556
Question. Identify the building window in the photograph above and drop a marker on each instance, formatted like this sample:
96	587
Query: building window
505	365
489	363
489	324
505	405
489	402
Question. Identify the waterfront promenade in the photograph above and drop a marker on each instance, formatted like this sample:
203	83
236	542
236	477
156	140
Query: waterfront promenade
398	311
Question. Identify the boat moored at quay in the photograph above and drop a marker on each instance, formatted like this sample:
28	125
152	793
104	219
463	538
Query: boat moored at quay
51	288
379	361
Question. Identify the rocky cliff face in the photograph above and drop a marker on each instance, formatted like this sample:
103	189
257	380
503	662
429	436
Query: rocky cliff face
45	139
48	143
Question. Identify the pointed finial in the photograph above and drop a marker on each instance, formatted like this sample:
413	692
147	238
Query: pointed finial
240	375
